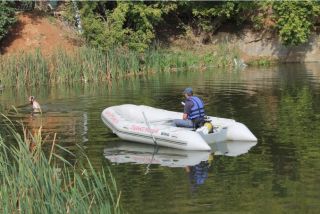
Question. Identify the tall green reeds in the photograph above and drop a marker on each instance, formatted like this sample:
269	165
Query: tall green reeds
24	69
84	65
92	65
32	182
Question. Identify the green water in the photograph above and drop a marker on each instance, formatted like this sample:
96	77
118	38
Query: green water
280	105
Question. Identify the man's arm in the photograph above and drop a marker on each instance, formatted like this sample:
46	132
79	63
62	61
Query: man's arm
187	109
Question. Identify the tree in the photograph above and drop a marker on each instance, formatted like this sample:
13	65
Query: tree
124	23
212	15
133	24
7	18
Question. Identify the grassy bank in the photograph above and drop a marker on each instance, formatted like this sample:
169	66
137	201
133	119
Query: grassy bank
32	182
91	65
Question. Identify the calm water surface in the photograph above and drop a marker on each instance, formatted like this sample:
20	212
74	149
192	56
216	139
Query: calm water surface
278	174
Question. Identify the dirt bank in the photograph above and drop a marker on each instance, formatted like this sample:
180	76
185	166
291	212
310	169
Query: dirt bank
34	31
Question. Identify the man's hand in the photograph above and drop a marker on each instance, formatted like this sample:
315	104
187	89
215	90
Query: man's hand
185	116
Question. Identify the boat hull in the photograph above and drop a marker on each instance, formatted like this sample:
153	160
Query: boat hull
128	123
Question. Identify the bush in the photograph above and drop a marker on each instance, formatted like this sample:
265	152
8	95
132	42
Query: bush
295	20
126	24
7	18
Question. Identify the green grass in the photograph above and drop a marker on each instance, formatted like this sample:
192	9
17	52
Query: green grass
92	65
265	62
33	182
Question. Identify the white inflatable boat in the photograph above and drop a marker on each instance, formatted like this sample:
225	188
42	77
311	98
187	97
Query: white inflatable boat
151	125
126	152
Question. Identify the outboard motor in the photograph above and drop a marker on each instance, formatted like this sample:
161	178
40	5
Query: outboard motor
206	126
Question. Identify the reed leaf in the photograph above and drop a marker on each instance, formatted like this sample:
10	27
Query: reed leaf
31	184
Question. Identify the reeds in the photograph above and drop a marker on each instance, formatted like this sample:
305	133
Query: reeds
92	65
33	183
24	69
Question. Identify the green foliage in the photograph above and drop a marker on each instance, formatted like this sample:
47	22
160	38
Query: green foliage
31	69
142	27
34	182
132	24
295	19
262	62
211	15
7	18
135	24
127	23
94	65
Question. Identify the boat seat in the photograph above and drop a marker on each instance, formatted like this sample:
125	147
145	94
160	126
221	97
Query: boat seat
133	113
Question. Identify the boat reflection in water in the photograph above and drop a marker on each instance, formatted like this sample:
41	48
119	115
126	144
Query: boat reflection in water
196	163
199	172
128	152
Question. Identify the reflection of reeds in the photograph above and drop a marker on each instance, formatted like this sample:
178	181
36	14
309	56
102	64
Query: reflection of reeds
92	65
31	182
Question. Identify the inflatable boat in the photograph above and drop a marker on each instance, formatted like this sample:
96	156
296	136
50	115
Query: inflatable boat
155	126
134	153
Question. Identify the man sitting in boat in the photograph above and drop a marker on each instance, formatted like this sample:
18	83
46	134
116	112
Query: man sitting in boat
193	114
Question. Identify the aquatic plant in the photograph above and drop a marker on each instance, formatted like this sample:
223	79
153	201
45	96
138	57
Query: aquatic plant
93	65
37	183
263	62
24	69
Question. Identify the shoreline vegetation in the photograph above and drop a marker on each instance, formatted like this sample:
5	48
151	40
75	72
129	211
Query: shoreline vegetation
37	182
120	39
87	64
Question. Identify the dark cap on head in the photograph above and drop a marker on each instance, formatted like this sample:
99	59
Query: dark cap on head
188	91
